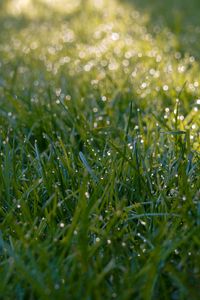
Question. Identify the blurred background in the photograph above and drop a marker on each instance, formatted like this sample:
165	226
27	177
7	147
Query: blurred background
142	50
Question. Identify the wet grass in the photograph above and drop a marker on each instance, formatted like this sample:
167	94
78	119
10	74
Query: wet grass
99	152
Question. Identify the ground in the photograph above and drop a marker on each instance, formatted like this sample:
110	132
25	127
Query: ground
99	149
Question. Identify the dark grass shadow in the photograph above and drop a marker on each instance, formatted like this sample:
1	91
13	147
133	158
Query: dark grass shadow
181	17
172	13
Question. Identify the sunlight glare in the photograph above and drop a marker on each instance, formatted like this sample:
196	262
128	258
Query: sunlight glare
62	5
30	8
19	6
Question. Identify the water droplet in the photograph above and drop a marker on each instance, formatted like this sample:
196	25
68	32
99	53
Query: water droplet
87	195
115	36
165	87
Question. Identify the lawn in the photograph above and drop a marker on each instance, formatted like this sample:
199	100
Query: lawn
99	149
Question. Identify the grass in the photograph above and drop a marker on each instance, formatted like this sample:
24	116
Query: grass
99	150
